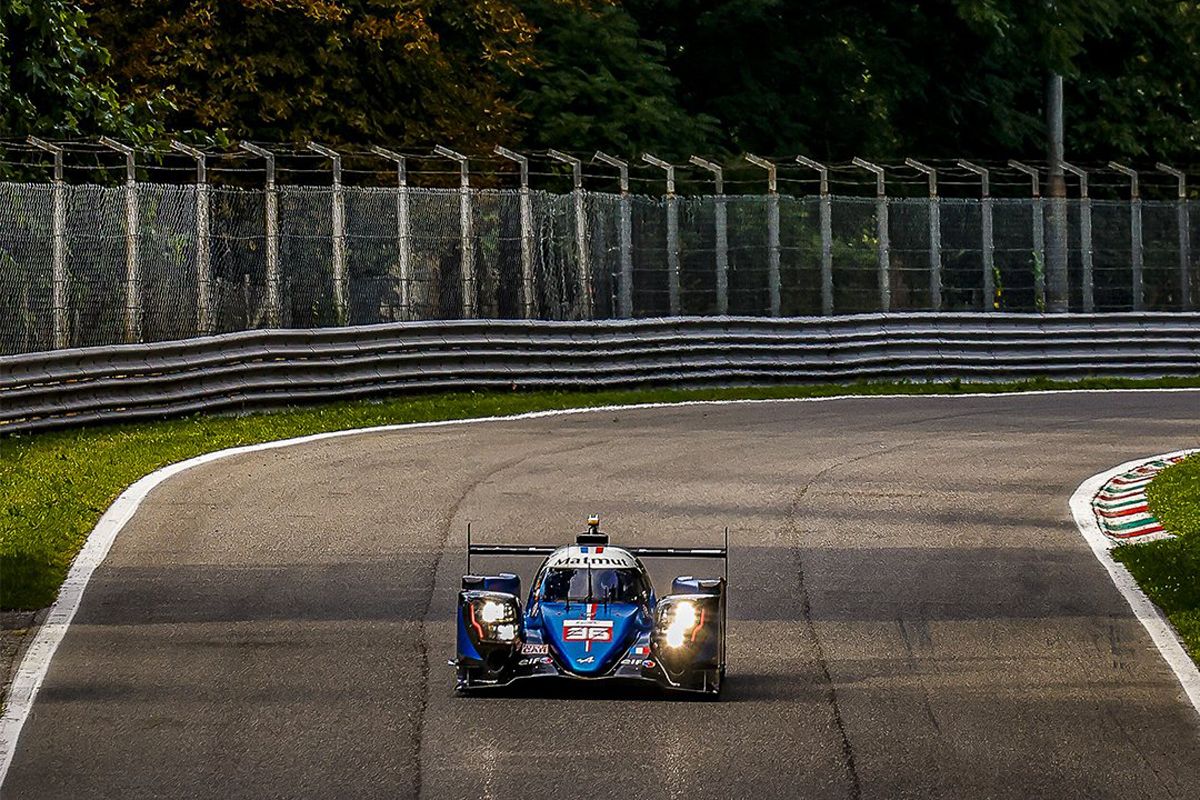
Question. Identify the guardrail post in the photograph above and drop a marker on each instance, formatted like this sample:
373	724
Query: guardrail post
672	232
1088	289
772	232
466	230
826	213
274	302
625	296
722	232
581	243
989	242
1135	235
340	278
58	246
402	232
882	246
526	223
1185	241
204	324
1039	234
133	277
935	233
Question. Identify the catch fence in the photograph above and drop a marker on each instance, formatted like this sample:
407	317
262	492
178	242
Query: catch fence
84	265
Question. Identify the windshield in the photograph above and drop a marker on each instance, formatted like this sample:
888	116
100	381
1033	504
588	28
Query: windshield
608	585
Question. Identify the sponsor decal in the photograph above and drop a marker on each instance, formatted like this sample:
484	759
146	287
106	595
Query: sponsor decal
630	662
648	664
529	662
535	649
587	630
588	660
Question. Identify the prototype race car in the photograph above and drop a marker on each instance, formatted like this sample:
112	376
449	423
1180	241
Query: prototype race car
592	614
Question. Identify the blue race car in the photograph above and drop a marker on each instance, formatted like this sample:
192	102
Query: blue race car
592	614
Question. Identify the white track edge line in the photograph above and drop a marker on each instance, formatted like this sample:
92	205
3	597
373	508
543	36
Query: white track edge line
1162	633
36	661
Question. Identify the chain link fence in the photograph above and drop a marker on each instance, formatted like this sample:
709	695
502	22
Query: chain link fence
88	265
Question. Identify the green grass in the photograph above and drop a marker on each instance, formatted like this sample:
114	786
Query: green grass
1169	570
54	486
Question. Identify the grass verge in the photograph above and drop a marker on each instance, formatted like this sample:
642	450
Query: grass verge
1169	570
54	486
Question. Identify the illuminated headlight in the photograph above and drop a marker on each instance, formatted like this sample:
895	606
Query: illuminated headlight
507	632
491	611
683	620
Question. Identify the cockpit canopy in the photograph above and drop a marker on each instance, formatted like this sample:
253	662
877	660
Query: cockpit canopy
599	585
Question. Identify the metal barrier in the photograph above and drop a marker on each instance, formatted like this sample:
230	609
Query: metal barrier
257	369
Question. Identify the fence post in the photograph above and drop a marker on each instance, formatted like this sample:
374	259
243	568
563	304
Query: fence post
58	245
881	232
466	230
1135	234
826	213
625	301
989	242
274	304
1185	241
1039	234
525	213
340	278
672	232
133	277
772	232
581	239
935	233
1087	278
402	235
203	269
722	232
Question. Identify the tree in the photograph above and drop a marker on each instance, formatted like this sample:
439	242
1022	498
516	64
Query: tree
48	85
596	85
402	71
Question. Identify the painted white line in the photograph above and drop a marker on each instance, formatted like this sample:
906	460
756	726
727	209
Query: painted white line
36	661
1161	632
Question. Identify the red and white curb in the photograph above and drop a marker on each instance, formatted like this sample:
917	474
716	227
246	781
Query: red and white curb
1088	520
1120	505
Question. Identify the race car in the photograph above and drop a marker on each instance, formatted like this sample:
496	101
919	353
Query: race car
591	614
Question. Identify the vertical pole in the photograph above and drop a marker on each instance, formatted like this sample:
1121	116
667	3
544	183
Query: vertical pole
1039	234
935	234
274	304
722	232
1135	235
773	277
340	278
204	324
581	238
466	231
133	277
826	214
402	232
1086	277
625	296
672	233
989	242
882	237
58	245
525	212
1056	298
1185	239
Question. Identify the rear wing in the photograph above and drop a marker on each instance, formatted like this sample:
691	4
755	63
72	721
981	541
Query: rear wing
641	552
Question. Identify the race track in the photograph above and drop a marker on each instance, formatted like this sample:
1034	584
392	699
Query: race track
913	614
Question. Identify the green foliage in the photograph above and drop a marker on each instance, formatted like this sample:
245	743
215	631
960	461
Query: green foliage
48	81
598	86
55	486
1169	570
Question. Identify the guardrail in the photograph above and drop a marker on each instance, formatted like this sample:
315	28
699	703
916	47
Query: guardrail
257	369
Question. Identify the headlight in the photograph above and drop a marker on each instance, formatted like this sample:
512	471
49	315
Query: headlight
682	624
492	617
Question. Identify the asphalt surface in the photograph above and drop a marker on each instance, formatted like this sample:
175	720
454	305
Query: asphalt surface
913	614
